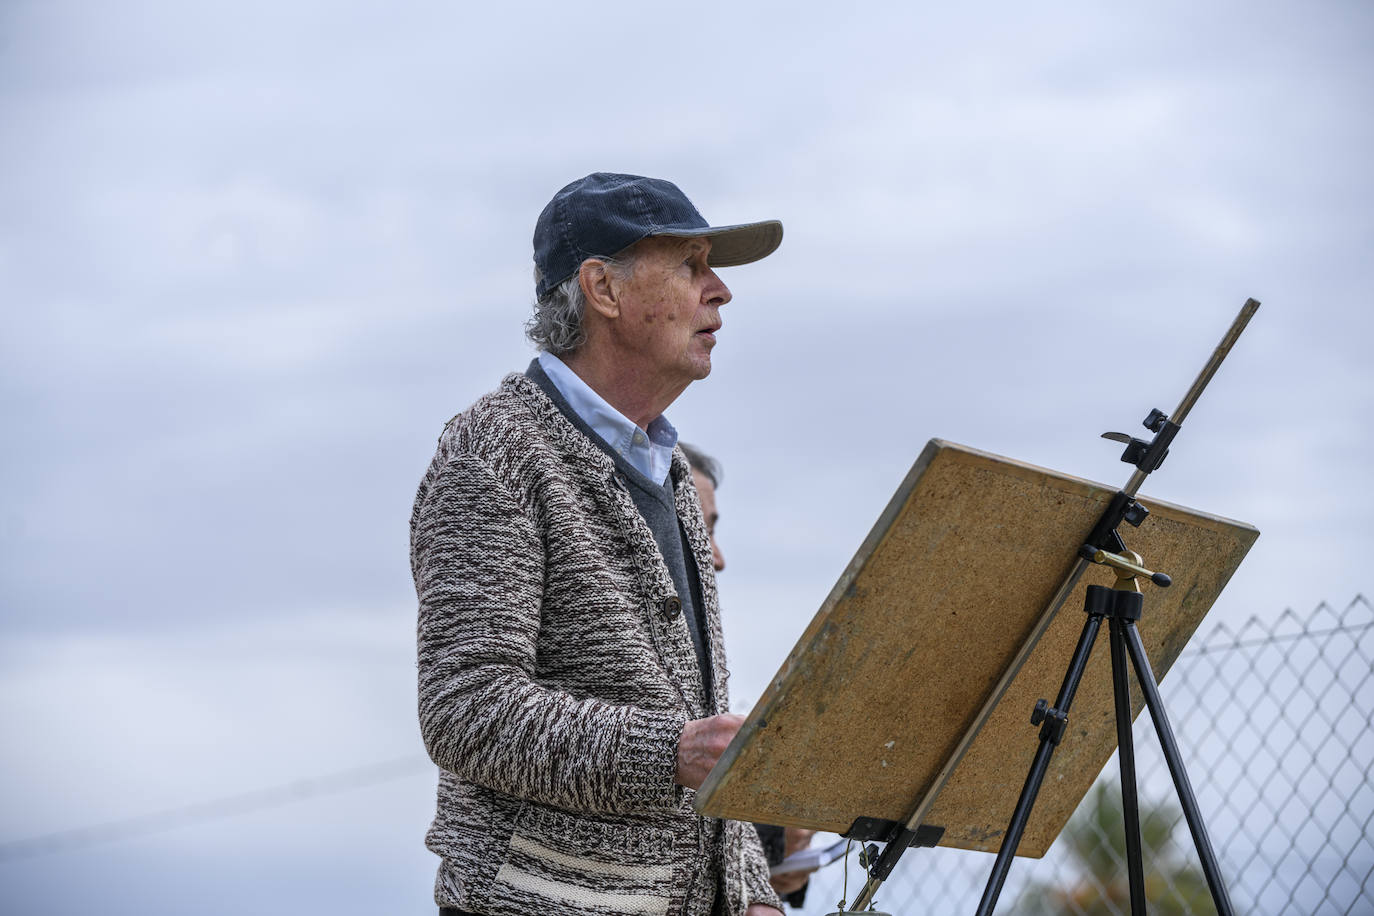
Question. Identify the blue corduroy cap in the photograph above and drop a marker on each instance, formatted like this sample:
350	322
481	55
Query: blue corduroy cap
605	213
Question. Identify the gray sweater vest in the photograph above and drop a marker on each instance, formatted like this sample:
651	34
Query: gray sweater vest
655	504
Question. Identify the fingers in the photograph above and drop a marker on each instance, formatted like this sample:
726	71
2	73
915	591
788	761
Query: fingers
701	744
788	883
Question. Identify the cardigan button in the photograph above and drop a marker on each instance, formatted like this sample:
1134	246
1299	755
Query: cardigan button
672	605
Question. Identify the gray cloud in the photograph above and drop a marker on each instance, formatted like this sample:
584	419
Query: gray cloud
253	256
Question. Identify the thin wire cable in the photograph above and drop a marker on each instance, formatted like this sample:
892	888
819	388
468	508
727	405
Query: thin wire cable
844	892
278	796
1274	640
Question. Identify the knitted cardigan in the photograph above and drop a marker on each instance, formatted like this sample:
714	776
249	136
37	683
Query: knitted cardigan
556	673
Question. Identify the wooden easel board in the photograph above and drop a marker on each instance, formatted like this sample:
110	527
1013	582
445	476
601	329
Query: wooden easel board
915	635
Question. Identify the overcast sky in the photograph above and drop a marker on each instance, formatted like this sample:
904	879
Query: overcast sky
253	255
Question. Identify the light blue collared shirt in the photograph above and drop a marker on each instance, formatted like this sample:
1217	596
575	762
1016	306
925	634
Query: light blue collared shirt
649	451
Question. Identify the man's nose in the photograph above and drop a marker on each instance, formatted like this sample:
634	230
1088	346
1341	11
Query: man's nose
716	292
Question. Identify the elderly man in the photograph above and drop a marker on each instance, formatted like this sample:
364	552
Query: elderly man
572	682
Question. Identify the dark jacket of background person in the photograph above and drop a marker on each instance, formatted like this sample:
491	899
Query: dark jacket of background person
775	850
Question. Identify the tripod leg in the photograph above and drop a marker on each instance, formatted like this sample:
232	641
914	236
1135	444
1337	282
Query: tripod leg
1130	808
1048	739
1145	676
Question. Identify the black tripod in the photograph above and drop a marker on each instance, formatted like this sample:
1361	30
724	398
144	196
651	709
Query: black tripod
1121	606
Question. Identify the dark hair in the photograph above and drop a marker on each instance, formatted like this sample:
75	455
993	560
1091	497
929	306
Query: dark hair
700	461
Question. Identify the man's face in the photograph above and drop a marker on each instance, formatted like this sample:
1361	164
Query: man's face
706	492
671	310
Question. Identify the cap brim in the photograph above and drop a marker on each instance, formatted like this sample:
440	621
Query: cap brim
732	245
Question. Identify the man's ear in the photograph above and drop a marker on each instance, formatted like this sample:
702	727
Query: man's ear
599	288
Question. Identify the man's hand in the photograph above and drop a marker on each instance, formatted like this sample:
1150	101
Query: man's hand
792	881
760	909
701	744
795	839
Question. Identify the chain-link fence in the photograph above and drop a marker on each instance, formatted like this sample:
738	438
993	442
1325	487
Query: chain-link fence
1276	725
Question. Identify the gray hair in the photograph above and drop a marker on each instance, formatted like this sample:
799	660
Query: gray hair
700	461
556	324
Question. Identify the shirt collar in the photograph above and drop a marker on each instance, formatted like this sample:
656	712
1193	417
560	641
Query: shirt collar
649	451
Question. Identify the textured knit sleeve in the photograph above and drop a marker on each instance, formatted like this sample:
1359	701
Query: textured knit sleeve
478	563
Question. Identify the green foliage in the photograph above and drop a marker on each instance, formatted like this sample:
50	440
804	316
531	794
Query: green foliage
1097	837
